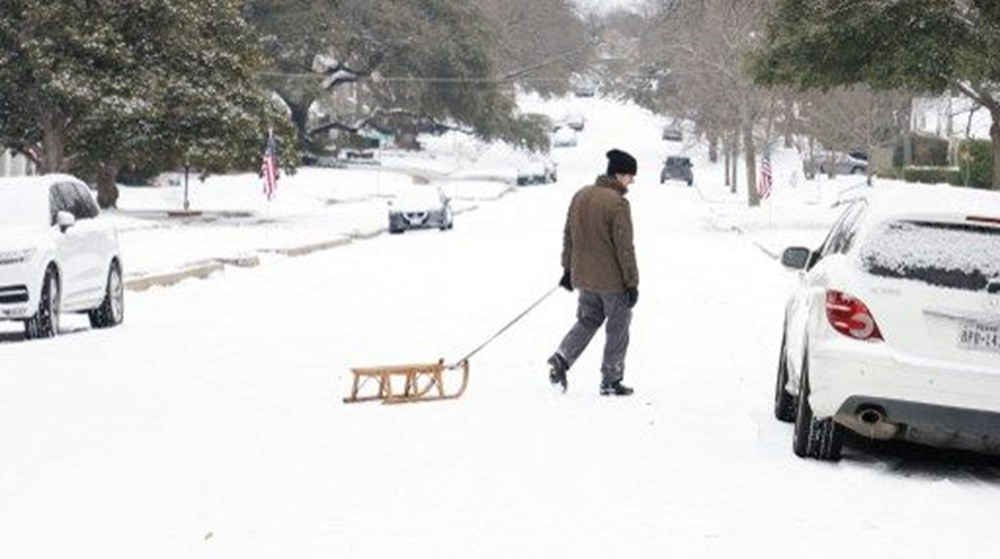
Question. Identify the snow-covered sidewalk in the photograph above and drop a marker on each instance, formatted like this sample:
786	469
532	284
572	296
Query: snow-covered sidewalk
230	222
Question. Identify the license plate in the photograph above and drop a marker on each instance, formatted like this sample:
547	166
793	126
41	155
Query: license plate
979	336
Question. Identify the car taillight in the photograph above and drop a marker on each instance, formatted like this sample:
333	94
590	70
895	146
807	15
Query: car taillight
851	317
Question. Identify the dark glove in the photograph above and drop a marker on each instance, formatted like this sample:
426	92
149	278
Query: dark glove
565	281
633	296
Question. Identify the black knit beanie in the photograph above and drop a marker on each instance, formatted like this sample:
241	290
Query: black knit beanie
620	162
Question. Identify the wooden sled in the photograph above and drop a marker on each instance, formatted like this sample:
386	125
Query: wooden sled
420	382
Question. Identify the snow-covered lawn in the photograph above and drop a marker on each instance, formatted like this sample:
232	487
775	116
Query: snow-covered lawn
211	424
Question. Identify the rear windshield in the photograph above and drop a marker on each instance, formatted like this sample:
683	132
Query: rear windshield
676	160
960	256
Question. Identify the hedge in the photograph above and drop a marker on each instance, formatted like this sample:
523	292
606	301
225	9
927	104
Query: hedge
933	175
975	163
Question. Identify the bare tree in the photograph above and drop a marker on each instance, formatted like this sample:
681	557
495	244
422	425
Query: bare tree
696	49
854	117
539	43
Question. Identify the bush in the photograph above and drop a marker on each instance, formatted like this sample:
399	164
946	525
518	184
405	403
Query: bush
933	175
926	151
975	163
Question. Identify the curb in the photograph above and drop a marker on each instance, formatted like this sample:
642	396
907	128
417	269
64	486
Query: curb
308	249
199	270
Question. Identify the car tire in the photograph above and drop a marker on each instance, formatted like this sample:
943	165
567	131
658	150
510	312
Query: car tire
112	310
784	403
820	439
690	182
395	231
45	322
856	171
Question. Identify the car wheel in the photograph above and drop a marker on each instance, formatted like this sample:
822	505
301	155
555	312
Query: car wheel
856	171
45	322
784	403
812	438
112	309
690	182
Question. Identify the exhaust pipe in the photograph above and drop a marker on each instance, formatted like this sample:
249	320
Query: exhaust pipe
870	416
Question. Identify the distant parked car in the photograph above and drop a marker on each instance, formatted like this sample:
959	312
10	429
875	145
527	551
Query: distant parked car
837	163
420	206
576	121
536	169
585	89
57	255
894	329
677	167
564	137
672	134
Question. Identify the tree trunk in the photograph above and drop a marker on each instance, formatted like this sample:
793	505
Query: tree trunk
725	159
107	190
300	118
713	148
53	143
735	161
789	121
995	137
750	152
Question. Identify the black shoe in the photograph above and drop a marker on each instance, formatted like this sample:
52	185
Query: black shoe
615	389
557	371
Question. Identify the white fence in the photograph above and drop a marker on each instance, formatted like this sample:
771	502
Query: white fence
14	165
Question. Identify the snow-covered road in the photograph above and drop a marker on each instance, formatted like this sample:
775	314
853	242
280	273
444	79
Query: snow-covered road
211	423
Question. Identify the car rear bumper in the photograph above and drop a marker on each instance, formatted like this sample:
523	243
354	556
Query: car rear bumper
926	400
929	424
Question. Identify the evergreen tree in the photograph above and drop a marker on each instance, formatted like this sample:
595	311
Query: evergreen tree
412	61
921	45
96	86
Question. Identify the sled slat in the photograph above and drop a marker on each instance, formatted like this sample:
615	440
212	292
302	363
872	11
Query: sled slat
421	382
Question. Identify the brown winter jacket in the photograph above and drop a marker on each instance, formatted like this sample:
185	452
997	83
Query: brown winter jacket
597	239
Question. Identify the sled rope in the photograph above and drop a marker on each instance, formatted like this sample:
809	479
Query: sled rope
504	329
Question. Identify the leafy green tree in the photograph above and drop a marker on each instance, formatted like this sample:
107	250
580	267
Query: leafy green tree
410	61
96	86
921	45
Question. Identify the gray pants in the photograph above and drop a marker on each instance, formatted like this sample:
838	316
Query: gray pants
592	310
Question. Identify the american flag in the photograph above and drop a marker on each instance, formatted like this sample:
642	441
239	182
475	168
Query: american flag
764	184
269	167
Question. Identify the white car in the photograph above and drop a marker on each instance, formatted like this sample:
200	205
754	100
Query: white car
56	255
564	137
894	329
420	206
536	168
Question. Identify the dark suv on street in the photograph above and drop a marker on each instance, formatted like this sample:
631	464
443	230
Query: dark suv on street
677	167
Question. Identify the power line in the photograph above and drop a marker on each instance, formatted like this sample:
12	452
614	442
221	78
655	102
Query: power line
423	79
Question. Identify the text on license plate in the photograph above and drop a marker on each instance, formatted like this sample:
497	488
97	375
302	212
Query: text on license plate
979	336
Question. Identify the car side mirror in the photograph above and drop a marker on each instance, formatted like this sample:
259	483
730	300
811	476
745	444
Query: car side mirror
65	220
796	258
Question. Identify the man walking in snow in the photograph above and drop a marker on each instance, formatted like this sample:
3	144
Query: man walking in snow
598	259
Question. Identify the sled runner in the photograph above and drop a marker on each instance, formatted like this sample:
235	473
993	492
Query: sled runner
398	384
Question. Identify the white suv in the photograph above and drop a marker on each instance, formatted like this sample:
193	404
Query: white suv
56	255
894	330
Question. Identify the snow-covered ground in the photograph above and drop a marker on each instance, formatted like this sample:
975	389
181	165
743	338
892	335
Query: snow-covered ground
211	424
